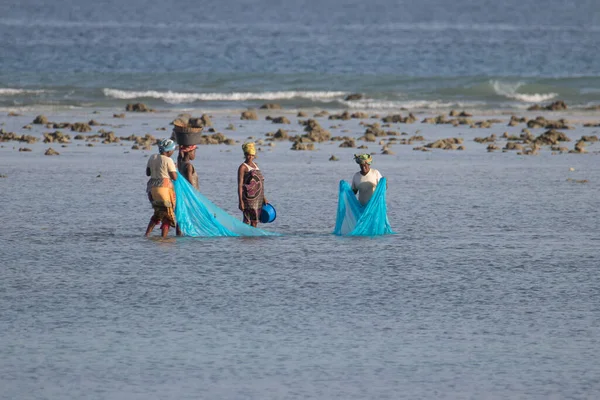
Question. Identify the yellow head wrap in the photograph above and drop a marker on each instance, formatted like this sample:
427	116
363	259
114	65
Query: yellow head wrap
249	148
363	159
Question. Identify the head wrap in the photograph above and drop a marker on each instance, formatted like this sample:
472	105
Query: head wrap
363	159
249	148
186	149
166	145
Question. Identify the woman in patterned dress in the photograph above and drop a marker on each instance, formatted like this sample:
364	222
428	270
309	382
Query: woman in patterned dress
251	192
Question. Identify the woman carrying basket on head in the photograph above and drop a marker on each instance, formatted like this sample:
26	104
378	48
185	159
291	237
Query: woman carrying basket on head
251	192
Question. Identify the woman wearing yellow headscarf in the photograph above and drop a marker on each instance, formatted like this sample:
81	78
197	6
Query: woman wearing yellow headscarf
251	192
365	181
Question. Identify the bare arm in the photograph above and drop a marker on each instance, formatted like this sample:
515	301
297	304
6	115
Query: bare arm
241	171
189	172
173	175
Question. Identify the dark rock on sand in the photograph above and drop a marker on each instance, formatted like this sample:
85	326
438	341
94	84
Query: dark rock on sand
59	125
81	127
360	115
118	115
56	137
551	137
333	158
40	120
109	137
482	124
281	120
51	152
353	97
368	137
555	106
579	147
490	139
397	118
138	107
249	115
11	136
591	139
445	144
24	149
270	106
303	146
348	143
315	132
513	146
206	121
514	120
280	135
343	116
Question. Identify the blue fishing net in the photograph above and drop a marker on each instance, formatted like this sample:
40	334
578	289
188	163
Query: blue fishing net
353	219
198	216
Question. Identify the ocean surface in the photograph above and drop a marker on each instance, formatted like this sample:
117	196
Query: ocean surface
489	290
236	54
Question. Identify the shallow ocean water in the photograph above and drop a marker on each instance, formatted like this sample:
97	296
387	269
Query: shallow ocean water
489	289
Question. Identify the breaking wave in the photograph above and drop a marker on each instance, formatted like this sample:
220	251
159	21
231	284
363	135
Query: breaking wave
509	90
178	97
15	92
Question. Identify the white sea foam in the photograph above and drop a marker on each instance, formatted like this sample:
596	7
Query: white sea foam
408	104
14	92
510	90
178	97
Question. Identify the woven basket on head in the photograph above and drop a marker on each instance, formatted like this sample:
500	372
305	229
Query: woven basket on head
181	127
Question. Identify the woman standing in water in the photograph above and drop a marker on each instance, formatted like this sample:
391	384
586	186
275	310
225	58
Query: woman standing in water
365	181
251	192
187	154
162	172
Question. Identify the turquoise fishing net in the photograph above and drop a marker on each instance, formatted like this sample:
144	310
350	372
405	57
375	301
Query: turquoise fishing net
354	219
198	216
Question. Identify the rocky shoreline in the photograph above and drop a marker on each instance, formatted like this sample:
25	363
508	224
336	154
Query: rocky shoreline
306	131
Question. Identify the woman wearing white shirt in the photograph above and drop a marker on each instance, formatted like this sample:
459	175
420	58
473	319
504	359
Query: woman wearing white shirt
365	181
162	172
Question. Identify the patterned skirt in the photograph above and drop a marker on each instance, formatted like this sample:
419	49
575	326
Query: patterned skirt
253	195
162	197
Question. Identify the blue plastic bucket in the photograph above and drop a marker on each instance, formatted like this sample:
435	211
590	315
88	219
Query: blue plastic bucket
268	214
